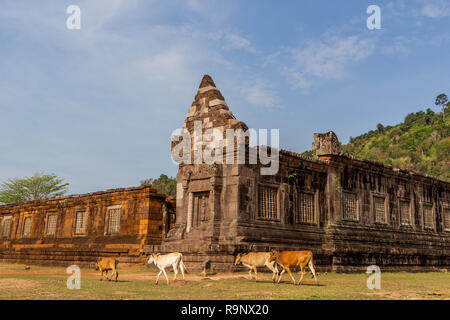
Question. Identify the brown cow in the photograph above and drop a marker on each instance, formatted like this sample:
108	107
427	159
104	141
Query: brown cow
292	259
105	265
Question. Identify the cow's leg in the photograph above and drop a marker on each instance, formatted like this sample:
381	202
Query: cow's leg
250	271
302	267
113	271
272	268
110	277
165	274
281	274
289	272
182	268
157	278
115	274
101	277
313	270
275	267
256	272
175	270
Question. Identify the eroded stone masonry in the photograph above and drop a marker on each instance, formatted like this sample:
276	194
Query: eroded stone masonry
350	212
78	229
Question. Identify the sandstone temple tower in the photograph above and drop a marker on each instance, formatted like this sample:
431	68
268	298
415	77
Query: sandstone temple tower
351	212
207	195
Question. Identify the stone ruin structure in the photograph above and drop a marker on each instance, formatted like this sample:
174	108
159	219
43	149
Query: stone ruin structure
78	229
350	212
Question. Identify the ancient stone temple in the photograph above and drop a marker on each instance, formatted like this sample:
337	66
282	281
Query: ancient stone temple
350	212
78	229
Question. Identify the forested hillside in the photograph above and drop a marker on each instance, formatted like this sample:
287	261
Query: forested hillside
421	142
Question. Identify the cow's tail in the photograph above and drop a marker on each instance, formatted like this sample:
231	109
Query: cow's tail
312	266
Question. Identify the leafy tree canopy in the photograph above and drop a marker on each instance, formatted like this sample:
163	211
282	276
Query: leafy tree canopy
37	187
164	184
441	100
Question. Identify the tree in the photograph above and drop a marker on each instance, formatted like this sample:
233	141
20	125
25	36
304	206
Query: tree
147	182
442	100
380	128
429	116
164	184
37	187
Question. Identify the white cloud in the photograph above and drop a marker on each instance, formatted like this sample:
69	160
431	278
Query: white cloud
198	6
399	46
270	58
214	11
326	60
236	42
436	9
258	93
404	45
105	11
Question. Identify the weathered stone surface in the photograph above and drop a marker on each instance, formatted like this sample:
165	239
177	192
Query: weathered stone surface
325	144
145	217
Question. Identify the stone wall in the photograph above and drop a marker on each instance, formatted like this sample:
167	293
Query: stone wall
80	228
362	213
402	217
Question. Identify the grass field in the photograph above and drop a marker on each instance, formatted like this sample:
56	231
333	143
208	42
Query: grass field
17	282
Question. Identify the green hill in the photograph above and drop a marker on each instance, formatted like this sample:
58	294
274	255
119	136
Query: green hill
421	143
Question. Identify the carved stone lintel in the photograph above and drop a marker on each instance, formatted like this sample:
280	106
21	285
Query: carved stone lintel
325	144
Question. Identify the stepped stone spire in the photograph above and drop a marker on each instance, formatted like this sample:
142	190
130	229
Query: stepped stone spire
207	81
210	107
208	111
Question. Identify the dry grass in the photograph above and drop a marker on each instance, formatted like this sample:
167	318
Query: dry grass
138	283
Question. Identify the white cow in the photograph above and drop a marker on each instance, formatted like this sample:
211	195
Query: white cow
252	260
174	259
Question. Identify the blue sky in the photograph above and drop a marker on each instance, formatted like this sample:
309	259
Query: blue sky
97	105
